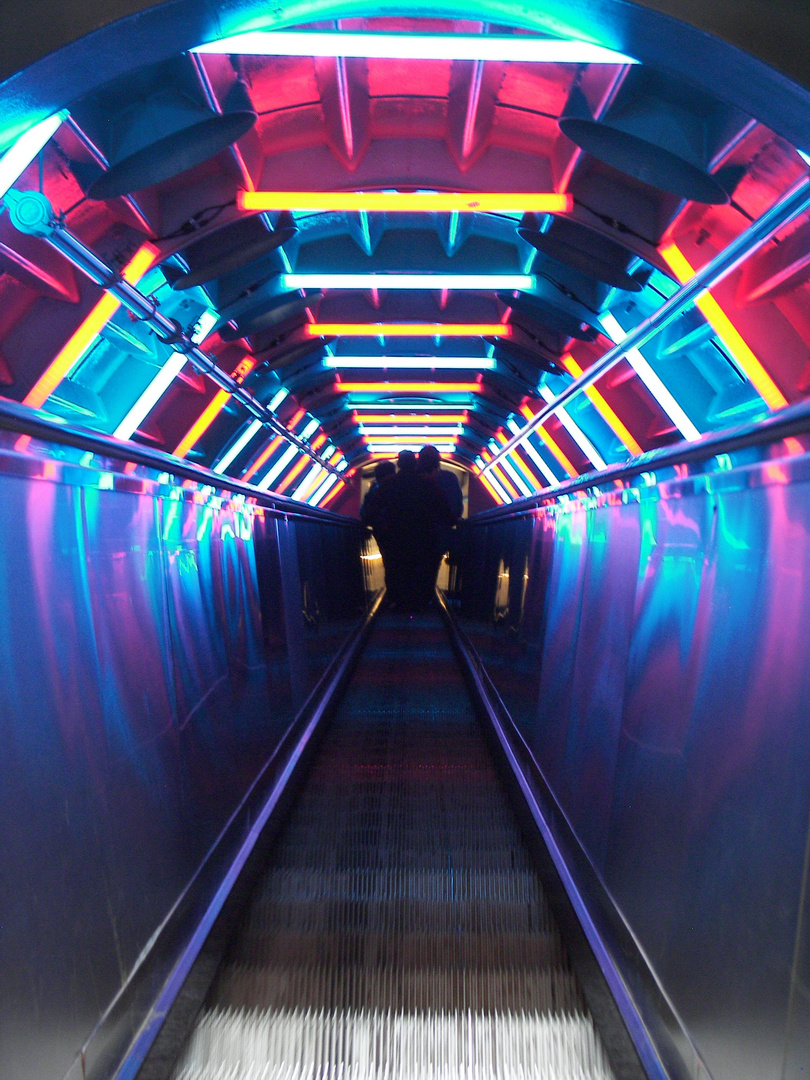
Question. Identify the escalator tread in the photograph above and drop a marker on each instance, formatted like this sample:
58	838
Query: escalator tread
399	930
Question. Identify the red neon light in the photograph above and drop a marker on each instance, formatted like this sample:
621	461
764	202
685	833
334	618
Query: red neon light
408	330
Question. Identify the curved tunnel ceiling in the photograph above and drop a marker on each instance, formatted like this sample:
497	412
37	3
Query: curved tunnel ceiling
374	321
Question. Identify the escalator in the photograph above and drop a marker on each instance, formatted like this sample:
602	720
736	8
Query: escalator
399	928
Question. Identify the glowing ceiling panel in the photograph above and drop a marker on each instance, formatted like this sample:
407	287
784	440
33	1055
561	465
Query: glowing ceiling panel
402	202
512	47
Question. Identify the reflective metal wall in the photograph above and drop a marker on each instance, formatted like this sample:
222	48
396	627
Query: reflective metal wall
650	640
156	643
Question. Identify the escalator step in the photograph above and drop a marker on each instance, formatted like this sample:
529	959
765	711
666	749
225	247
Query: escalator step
400	930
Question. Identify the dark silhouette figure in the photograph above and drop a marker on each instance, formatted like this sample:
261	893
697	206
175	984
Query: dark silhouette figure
372	512
415	511
447	482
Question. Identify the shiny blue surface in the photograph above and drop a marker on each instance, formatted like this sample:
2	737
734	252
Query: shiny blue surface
670	724
148	641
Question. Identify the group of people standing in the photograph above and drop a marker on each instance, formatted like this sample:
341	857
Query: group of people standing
411	509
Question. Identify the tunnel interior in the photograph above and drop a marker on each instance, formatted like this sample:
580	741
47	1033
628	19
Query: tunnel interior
244	256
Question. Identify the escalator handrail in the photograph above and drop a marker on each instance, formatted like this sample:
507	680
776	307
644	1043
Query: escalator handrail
23	420
794	420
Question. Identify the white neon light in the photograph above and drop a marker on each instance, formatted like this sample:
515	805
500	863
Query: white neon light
521	48
310	476
493	481
22	152
544	468
273	472
277	398
420	409
387	448
651	380
321	491
411	432
575	431
426	363
237	447
151	396
205	324
805	157
162	381
313	425
520	483
436	282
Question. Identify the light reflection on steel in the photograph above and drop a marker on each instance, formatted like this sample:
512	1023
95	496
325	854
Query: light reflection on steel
794	202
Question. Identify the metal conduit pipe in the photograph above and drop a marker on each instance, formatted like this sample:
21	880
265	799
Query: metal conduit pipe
783	211
32	213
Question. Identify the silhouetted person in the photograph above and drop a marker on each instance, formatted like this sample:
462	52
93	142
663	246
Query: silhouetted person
430	465
372	512
416	510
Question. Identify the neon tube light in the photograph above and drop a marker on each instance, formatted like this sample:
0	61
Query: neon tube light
387	450
341	484
427	410
496	491
236	449
432	330
498	494
408	202
526	446
379	46
503	481
272	447
318	494
82	338
424	363
395	430
524	487
23	151
211	411
428	281
151	395
518	463
602	407
407	388
295	471
277	398
730	336
651	380
550	442
275	469
573	429
424	419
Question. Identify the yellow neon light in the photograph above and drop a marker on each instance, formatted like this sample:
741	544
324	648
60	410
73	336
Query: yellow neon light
331	494
433	202
520	464
602	407
79	341
551	443
265	454
495	495
726	331
291	475
500	476
212	411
